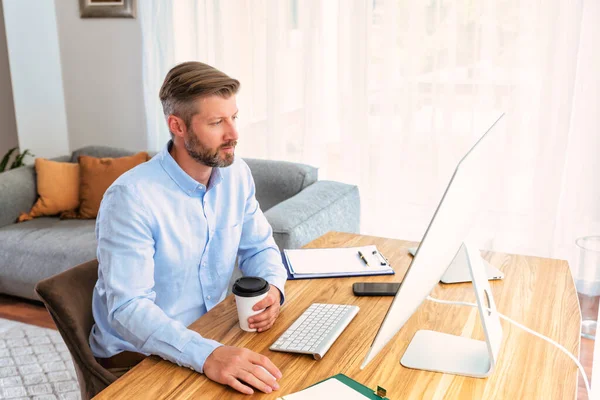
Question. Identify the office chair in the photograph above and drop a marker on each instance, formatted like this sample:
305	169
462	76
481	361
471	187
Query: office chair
68	298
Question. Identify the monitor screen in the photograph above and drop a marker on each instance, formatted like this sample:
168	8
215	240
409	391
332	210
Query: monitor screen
456	213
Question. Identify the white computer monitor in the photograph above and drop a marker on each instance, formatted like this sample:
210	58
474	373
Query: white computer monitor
446	234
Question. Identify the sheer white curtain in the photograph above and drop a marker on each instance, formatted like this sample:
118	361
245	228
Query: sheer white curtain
389	94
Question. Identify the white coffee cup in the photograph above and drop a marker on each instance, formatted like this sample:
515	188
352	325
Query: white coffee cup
248	291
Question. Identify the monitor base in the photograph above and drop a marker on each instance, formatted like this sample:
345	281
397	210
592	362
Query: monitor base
450	354
442	352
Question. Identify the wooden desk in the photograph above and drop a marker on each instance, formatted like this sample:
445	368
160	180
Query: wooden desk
536	292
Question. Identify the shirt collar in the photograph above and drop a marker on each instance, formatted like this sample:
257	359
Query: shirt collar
188	184
215	178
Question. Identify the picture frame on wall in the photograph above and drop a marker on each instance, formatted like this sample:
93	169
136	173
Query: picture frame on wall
107	8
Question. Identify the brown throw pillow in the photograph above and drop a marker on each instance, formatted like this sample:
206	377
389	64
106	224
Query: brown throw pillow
57	188
96	175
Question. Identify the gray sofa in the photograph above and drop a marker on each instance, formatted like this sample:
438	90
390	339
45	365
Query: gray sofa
299	207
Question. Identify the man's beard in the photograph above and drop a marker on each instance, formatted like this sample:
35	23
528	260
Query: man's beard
207	156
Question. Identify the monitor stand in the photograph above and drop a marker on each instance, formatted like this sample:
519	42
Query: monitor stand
442	352
458	272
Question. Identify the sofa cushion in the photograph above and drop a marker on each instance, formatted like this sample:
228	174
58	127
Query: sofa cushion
277	181
57	187
17	193
322	207
97	174
36	249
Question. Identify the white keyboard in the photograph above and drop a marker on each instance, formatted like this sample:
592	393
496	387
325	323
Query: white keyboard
316	329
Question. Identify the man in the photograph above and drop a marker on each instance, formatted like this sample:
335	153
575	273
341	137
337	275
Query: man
169	232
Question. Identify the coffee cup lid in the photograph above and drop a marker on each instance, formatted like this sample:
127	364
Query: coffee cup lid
250	286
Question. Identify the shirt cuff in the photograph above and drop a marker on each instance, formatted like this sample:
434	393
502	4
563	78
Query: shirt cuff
196	351
279	283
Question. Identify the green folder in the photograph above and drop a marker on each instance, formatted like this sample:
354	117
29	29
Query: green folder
359	387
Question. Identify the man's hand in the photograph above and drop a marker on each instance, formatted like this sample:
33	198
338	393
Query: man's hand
231	365
266	319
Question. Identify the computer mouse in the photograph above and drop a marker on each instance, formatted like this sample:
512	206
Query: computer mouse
267	371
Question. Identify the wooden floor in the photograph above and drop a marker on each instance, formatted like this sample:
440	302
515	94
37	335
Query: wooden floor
34	313
29	312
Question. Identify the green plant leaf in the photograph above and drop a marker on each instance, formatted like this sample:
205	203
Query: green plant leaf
5	159
19	159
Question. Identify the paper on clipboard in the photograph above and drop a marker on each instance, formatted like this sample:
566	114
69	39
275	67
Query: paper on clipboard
336	261
329	389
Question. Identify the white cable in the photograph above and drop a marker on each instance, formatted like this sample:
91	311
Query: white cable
504	317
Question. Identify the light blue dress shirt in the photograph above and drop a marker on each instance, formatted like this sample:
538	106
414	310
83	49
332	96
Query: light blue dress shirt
167	246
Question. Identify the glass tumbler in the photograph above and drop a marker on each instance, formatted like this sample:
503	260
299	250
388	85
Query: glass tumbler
587	282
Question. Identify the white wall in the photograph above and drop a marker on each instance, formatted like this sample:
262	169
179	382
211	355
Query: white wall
8	125
75	81
34	61
102	78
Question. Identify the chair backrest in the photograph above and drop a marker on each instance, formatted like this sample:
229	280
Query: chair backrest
68	298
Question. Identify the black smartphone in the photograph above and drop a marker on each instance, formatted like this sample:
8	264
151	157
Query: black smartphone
375	288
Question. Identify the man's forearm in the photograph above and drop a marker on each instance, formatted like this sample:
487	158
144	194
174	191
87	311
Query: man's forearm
143	324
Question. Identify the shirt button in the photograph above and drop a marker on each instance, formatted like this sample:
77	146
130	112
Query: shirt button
207	297
204	264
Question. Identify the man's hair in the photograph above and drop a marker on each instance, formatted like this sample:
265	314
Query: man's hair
189	81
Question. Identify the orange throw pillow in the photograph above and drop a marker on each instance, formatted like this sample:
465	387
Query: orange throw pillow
57	187
96	175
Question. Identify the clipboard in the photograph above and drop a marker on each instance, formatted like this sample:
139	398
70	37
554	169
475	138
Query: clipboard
349	382
335	262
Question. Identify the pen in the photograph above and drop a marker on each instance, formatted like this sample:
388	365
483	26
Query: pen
362	257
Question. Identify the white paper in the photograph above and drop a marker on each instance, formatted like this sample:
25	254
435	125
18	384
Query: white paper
330	389
344	260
